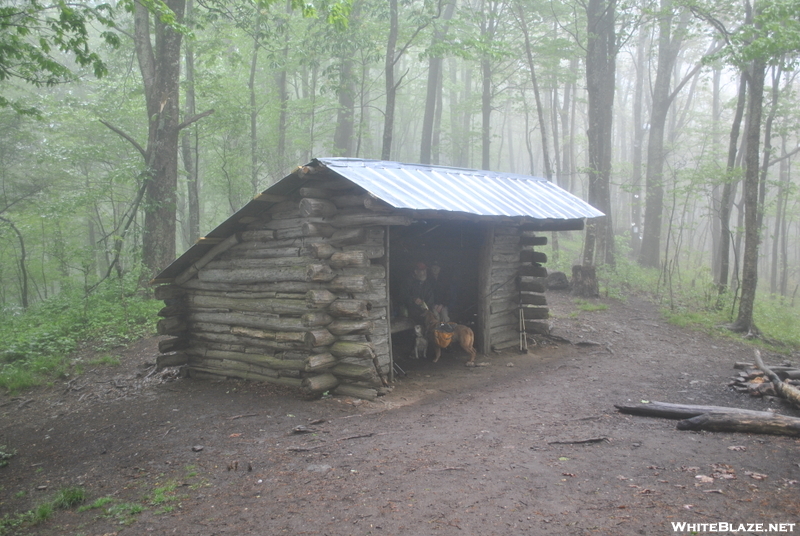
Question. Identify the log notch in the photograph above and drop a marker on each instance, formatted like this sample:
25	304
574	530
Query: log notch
532	273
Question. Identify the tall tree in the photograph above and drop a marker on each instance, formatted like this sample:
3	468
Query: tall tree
601	58
159	64
669	44
189	152
519	13
433	92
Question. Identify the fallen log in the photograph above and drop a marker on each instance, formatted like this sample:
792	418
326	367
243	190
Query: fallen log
784	390
667	410
739	422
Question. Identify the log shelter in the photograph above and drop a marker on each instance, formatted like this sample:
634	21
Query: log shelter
301	286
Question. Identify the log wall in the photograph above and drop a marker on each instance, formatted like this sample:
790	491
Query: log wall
298	297
516	283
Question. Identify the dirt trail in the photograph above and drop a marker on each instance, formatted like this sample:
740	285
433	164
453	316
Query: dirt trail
452	450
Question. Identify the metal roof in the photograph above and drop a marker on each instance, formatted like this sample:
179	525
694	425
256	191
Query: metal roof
415	187
485	193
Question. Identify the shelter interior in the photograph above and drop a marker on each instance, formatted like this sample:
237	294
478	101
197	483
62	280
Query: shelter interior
455	247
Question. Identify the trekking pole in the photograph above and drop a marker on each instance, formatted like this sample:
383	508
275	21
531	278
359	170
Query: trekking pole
523	336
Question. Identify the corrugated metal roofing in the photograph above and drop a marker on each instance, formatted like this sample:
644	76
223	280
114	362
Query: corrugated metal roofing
485	193
416	187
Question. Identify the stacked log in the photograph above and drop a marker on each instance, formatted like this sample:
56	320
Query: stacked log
298	296
754	381
517	281
532	281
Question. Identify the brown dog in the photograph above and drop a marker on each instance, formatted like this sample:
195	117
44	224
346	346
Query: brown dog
462	335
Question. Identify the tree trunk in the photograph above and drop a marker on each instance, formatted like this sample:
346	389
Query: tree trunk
600	77
23	269
736	422
667	410
726	201
488	27
188	153
668	49
391	87
636	157
715	188
755	83
161	76
523	26
433	90
780	209
343	137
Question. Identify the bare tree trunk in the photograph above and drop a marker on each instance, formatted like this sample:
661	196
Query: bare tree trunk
780	208
251	88
726	201
486	113
391	87
523	26
343	137
715	189
601	54
668	48
161	77
638	136
744	320
23	269
188	153
566	134
434	89
488	28
466	120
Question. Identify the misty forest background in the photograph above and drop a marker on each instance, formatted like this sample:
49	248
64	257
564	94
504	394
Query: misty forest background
121	145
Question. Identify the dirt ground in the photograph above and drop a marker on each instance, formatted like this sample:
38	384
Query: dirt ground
452	450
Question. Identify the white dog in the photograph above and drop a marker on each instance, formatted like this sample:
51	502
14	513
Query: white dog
421	343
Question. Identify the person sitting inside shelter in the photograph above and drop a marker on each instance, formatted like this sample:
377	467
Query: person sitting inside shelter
418	293
441	292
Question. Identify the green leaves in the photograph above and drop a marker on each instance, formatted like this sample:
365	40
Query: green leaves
31	33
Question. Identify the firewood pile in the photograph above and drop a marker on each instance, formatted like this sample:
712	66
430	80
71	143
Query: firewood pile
752	380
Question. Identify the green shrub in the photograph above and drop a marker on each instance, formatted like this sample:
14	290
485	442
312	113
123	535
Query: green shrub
38	343
69	497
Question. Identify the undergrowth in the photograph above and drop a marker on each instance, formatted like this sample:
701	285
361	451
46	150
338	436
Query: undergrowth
37	344
688	298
